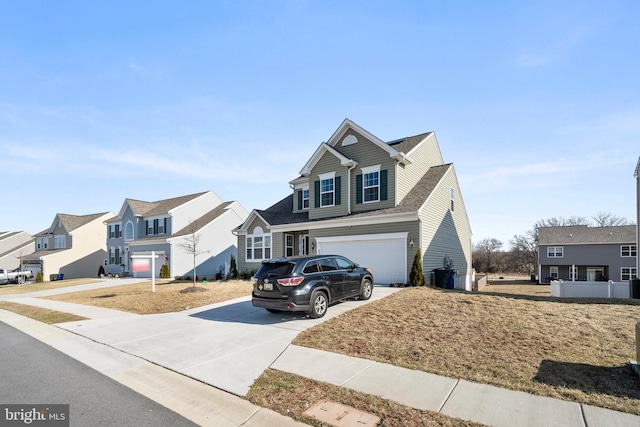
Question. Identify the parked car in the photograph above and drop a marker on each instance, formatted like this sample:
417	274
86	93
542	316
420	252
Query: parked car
309	283
14	276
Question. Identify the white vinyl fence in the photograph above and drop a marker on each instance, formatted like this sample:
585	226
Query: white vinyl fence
608	289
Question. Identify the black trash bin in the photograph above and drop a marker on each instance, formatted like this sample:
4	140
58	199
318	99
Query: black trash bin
441	276
634	288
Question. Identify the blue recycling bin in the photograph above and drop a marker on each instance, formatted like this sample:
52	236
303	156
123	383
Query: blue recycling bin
452	279
60	276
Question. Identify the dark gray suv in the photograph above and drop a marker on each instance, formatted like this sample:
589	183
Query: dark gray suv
309	283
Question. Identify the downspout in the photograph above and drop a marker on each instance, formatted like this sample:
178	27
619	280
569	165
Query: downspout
349	188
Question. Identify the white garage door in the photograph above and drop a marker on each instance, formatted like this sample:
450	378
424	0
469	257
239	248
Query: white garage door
384	254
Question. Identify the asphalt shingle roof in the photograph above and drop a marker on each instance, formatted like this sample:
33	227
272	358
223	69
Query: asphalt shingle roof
582	234
159	207
71	222
407	144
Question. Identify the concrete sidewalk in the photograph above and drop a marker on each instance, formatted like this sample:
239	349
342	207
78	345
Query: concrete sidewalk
228	345
481	403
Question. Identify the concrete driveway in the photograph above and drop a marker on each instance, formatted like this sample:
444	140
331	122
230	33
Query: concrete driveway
227	345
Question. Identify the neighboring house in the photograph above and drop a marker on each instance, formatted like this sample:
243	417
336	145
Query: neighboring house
372	201
587	253
164	226
73	246
13	245
636	175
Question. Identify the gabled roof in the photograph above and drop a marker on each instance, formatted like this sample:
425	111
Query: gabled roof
203	220
346	124
584	235
323	148
71	222
159	207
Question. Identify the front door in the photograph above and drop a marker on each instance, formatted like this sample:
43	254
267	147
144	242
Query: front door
595	274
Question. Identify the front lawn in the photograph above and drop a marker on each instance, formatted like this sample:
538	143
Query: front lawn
168	297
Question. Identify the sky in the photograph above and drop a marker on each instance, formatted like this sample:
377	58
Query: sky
537	103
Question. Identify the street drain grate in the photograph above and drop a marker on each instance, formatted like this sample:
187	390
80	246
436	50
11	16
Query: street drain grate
339	415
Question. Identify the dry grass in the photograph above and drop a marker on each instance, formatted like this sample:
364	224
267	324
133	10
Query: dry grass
516	287
292	395
43	286
577	350
138	298
40	314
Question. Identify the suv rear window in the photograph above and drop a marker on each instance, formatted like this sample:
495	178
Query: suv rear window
311	267
275	269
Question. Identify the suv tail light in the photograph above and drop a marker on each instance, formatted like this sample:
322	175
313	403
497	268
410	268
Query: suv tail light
292	281
254	280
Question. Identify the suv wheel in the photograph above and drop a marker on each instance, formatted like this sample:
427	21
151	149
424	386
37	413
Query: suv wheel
319	305
366	290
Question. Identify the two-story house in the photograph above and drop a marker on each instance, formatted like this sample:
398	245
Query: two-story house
372	201
166	227
13	245
587	253
73	246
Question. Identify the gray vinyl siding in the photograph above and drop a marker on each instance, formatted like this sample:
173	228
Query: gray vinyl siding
366	153
328	163
412	227
424	156
584	256
446	233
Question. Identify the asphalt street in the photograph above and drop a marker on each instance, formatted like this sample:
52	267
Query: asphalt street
35	373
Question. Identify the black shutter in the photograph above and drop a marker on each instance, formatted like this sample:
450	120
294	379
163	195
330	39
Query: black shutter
146	228
338	189
358	188
300	200
316	195
383	185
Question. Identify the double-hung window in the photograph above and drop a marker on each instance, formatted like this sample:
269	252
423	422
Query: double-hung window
60	242
555	252
627	273
305	198
327	190
628	250
371	184
288	246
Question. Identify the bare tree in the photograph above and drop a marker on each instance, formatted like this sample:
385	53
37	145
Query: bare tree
608	219
484	254
191	246
524	251
561	221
